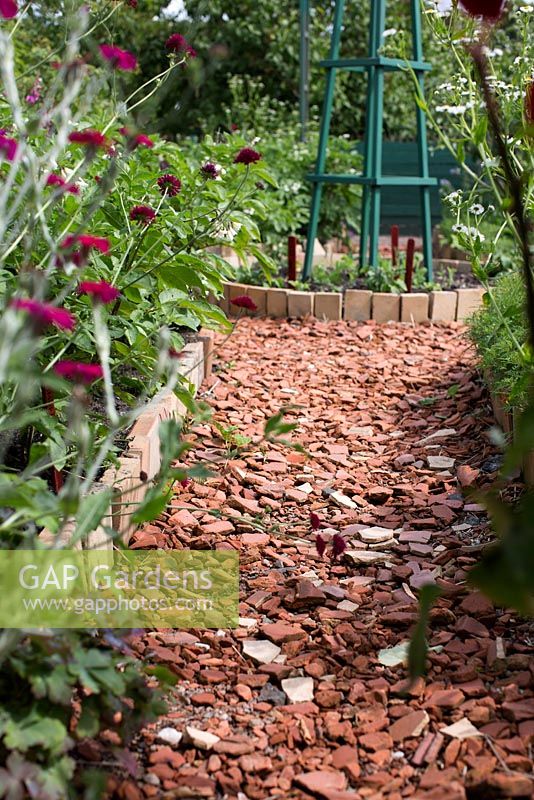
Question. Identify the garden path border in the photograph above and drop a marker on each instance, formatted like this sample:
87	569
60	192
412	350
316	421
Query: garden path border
357	304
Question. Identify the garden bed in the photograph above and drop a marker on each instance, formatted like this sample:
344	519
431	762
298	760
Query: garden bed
141	459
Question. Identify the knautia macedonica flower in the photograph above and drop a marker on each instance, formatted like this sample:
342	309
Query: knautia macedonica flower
210	170
118	58
136	139
45	313
489	10
143	214
56	180
34	95
247	156
100	292
79	247
78	372
89	138
244	301
8	9
177	43
169	184
8	147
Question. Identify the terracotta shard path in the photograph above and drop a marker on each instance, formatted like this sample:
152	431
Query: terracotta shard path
395	421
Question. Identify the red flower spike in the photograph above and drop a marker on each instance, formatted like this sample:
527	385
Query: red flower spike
101	292
339	545
185	483
8	9
320	545
169	185
45	313
315	521
89	138
244	301
8	147
142	214
119	59
78	372
247	156
529	103
489	10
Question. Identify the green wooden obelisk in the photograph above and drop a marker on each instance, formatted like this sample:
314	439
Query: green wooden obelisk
372	180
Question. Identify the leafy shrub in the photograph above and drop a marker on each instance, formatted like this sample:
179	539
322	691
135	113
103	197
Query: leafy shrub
499	332
40	727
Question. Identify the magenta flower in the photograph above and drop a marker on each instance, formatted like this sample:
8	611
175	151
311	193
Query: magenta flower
320	545
83	243
45	313
8	147
101	292
209	170
185	483
490	10
35	92
179	44
87	242
170	185
89	138
90	242
143	214
136	139
56	180
78	372
247	156
339	545
131	3
8	9
315	521
120	59
244	301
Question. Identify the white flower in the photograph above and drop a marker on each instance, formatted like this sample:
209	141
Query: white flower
389	32
454	198
476	209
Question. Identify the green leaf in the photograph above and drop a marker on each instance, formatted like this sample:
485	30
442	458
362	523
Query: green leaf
89	722
480	131
156	500
26	730
91	511
418	649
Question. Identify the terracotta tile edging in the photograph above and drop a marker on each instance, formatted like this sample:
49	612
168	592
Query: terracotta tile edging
356	304
141	456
